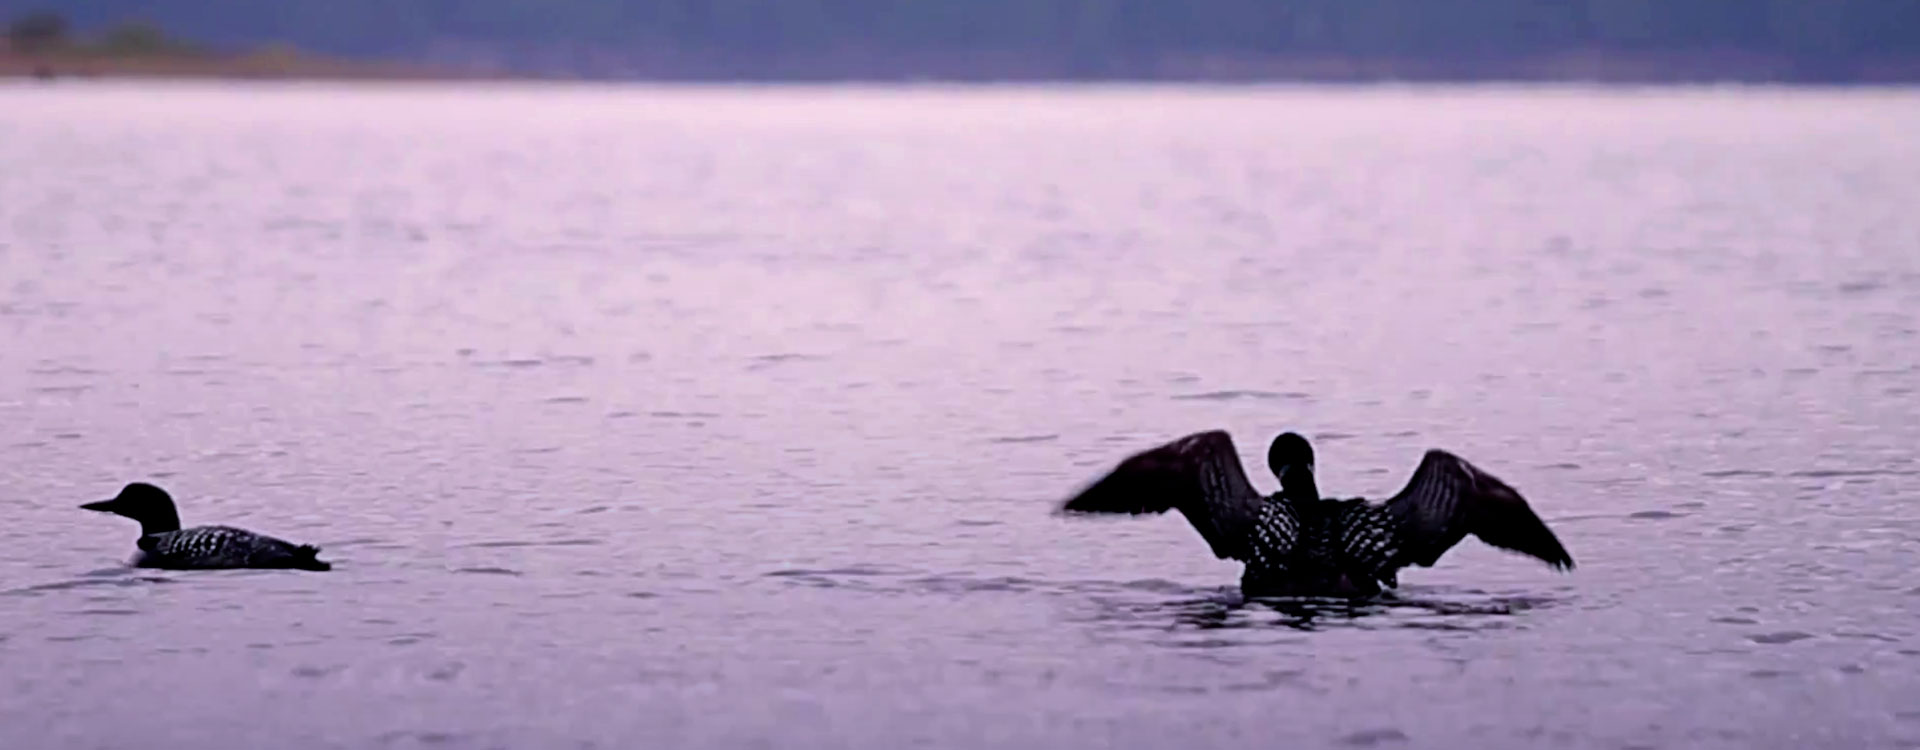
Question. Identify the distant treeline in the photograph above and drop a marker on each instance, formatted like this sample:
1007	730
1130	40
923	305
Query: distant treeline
44	44
48	32
1803	39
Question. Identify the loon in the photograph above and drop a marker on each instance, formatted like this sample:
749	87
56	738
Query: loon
1296	544
163	544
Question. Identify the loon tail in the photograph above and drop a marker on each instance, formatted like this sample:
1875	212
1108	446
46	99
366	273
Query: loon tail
306	557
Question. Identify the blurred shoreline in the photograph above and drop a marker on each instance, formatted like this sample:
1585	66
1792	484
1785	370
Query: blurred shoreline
258	65
1590	67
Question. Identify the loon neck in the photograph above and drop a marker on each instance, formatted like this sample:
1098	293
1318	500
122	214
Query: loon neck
1296	482
159	521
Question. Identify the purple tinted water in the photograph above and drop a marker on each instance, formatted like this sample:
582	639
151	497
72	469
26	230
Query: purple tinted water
732	417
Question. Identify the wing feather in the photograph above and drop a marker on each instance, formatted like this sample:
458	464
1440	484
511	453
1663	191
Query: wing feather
1448	498
1200	475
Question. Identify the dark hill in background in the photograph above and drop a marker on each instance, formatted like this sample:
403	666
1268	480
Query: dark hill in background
1804	40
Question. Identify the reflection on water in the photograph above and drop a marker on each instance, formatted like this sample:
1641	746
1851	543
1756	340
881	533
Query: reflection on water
1393	610
1226	609
696	417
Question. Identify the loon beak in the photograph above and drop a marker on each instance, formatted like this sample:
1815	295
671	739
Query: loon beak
104	506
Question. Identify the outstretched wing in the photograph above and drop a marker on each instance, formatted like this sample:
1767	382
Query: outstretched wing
1200	475
1449	498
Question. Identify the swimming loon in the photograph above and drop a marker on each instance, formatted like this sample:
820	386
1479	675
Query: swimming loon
1295	543
163	544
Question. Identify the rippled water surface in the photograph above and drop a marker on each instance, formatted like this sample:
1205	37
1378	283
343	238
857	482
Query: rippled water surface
734	417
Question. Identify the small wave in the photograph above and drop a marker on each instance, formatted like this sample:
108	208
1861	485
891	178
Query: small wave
1235	395
1862	636
355	542
765	361
856	577
1841	473
962	584
1613	481
1025	439
491	571
1160	586
1374	737
109	577
426	738
62	370
525	543
851	570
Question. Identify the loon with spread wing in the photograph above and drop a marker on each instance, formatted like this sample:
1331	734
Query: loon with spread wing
1295	543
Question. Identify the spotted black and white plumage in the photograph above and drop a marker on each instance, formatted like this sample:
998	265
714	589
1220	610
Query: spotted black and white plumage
223	547
1294	542
163	544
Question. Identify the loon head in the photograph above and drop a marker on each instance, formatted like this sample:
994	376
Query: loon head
1291	459
142	502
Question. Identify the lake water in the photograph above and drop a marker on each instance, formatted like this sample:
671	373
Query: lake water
734	417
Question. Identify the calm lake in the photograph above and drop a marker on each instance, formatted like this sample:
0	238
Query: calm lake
735	417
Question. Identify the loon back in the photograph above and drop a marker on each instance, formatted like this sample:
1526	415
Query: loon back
217	547
1321	547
